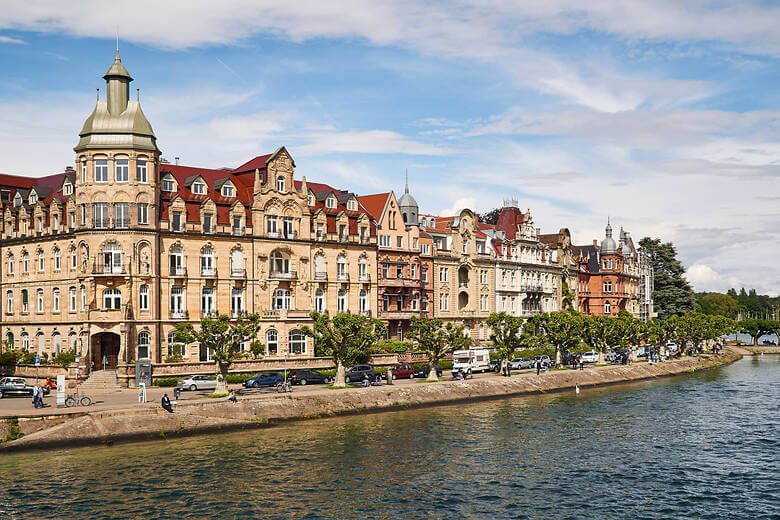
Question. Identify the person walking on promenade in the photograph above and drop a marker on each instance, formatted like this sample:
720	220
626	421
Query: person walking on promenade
176	394
581	363
166	403
35	395
538	366
41	404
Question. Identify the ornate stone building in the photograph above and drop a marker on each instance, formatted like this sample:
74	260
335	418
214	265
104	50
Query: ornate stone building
108	257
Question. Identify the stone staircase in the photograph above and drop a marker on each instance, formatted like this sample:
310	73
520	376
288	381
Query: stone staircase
101	380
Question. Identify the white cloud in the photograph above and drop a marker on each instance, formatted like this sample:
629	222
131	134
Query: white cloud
8	39
704	278
457	206
366	141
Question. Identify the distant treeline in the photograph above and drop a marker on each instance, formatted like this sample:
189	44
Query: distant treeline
738	305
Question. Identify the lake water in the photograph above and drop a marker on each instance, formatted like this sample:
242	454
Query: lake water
700	446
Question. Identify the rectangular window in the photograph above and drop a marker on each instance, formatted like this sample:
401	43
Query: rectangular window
9	306
101	215
83	171
384	240
207	223
176	221
424	304
168	184
271	226
176	298
443	274
83	208
288	228
140	171
122	170
399	242
73	258
237	228
101	170
56	300
39	307
342	232
143	213
413	269
424	274
121	215
143	298
320	232
72	220
443	302
72	300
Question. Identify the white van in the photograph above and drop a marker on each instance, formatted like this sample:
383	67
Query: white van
590	357
470	361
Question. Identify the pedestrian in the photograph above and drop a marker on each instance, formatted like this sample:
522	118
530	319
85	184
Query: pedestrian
366	381
508	369
232	397
36	395
176	394
166	403
581	364
41	404
538	366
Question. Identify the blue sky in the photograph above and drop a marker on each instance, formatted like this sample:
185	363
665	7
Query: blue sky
662	115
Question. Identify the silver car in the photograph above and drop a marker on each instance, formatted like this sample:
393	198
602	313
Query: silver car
197	383
16	386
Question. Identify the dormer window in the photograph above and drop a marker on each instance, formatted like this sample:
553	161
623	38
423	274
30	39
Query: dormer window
17	200
168	184
280	184
33	198
311	199
352	205
228	190
67	188
5	196
198	188
330	202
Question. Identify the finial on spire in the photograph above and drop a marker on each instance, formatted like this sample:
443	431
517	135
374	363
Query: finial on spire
98	93
138	94
407	181
117	40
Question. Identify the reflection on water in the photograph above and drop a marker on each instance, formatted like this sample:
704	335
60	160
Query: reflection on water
699	446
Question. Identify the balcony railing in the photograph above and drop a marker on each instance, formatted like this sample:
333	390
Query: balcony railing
238	231
238	313
321	275
178	270
289	275
366	312
400	282
122	223
236	272
343	277
364	277
208	313
290	235
531	288
272	234
210	272
179	314
463	283
108	269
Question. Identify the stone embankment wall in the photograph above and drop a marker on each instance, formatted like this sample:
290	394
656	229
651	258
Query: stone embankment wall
763	349
206	416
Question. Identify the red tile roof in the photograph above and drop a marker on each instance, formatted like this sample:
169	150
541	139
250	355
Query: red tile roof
509	220
374	204
258	163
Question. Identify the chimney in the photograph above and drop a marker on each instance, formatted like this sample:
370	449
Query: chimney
595	242
177	160
69	169
538	231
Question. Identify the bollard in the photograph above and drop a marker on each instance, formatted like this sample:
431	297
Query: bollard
389	376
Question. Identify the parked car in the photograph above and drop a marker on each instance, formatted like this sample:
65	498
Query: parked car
304	377
521	363
198	383
642	352
424	371
355	374
264	379
495	365
590	357
17	386
402	371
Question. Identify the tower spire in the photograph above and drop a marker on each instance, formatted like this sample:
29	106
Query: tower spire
406	190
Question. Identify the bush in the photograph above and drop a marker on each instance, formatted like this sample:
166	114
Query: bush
28	358
64	359
234	379
446	365
165	381
393	345
378	371
330	372
8	358
174	359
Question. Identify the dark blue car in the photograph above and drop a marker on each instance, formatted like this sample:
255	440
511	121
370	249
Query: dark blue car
264	379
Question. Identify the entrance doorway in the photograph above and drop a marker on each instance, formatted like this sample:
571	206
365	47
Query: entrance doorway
105	351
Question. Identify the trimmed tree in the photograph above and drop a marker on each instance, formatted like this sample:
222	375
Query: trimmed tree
561	329
757	328
597	331
506	334
346	338
436	340
224	337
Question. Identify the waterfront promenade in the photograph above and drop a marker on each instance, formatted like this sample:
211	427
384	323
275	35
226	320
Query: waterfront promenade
116	420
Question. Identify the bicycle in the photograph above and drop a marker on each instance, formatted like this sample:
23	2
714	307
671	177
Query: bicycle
75	399
284	386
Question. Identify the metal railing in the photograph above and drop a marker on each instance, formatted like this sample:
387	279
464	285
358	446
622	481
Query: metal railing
321	275
343	277
178	314
178	270
208	271
290	275
100	268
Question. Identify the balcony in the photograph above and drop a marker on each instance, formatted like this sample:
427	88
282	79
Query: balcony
321	275
399	282
531	288
277	275
178	314
398	315
342	277
208	272
236	272
101	269
235	314
238	231
366	313
365	278
208	313
290	235
179	271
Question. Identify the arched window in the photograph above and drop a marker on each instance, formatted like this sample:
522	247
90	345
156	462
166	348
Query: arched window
280	184
342	301
207	261
341	268
281	299
176	349
41	341
39	300
280	265
57	259
144	340
55	300
41	262
9	340
57	341
9	302
26	262
363	302
272	342
25	341
72	341
363	269
297	342
112	299
11	264
25	301
176	257
319	301
143	298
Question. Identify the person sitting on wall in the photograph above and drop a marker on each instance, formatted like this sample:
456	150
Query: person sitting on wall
166	403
